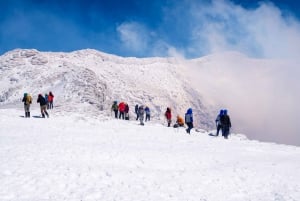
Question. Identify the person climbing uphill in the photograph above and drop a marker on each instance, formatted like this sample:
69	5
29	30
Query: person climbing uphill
43	105
168	116
189	120
27	99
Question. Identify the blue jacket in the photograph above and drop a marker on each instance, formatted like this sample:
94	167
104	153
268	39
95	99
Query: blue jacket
147	110
189	116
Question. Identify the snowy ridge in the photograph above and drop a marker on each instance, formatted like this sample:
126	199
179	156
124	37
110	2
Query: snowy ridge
95	79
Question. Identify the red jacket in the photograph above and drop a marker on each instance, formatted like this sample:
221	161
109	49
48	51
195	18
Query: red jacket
50	97
122	107
168	114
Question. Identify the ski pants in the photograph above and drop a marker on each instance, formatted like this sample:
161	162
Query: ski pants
44	111
190	126
147	117
225	132
121	114
27	108
219	127
141	117
116	113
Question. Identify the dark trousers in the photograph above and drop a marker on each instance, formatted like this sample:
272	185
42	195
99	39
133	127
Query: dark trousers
116	113
225	132
121	114
190	126
147	117
50	105
219	127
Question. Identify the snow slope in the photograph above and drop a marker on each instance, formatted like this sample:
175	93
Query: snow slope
94	80
86	158
82	154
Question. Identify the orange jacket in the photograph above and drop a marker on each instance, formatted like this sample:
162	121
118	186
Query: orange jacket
180	120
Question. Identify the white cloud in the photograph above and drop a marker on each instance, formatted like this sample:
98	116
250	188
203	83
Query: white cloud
134	36
262	32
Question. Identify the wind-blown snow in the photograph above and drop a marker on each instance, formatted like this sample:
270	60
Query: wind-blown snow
75	157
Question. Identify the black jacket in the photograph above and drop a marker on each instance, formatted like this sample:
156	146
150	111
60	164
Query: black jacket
41	100
225	121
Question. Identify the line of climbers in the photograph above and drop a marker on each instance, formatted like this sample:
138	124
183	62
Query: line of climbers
45	103
222	122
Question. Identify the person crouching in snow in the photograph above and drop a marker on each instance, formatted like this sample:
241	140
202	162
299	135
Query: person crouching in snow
179	122
189	120
43	105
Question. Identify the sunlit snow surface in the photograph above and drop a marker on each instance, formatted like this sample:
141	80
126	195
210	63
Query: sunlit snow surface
75	157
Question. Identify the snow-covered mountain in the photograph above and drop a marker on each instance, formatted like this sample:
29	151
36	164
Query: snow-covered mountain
82	153
88	81
95	79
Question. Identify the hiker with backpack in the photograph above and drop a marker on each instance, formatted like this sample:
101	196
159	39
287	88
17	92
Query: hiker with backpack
147	111
218	122
141	112
189	120
50	100
168	116
126	111
27	99
122	110
136	110
115	108
43	105
47	101
226	124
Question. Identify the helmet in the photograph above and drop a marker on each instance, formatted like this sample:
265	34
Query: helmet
225	111
189	111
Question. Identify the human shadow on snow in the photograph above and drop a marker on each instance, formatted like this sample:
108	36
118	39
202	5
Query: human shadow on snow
35	116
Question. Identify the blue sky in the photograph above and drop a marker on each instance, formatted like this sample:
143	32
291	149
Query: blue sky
140	28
